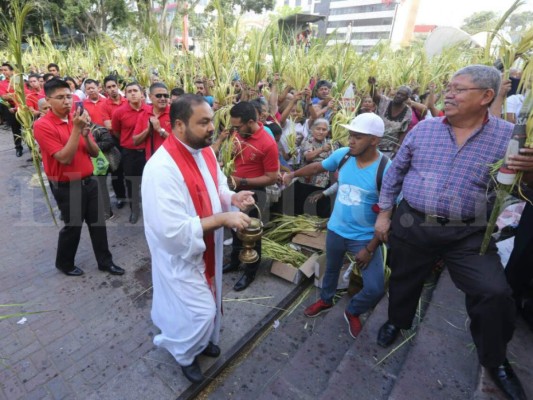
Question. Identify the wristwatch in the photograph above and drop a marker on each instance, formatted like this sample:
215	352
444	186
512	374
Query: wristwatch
244	182
162	131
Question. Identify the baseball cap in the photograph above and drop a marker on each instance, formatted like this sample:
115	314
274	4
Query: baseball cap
366	123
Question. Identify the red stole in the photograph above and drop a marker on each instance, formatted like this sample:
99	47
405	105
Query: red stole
198	192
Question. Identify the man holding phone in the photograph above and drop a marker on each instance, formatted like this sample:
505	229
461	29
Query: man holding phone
67	147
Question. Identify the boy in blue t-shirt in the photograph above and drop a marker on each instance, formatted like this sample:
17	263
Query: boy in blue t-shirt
351	226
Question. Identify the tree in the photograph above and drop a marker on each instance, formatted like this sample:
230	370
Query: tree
520	21
480	21
93	17
256	6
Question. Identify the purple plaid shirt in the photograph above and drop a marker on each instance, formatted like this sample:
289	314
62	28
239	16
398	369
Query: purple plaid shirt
439	178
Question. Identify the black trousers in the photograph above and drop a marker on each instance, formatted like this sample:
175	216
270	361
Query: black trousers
11	119
519	270
133	162
415	246
302	191
78	203
237	244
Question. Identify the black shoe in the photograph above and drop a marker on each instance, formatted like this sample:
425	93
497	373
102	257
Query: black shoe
244	282
18	152
505	378
134	217
193	372
387	334
120	203
113	269
72	272
229	267
212	350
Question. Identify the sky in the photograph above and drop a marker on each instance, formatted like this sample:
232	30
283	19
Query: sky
453	12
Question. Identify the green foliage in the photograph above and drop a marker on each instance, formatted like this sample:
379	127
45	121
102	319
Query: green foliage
480	21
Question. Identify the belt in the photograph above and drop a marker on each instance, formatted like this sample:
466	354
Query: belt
134	150
84	181
440	219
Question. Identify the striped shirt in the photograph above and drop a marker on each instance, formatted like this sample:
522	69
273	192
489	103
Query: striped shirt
437	177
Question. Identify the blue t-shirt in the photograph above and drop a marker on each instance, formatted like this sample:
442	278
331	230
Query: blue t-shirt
352	216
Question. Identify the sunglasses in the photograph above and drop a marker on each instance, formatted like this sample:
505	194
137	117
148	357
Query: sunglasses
160	95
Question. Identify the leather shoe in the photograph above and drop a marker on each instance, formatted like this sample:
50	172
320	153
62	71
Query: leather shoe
73	272
244	282
212	350
229	267
387	334
134	217
18	152
193	372
113	269
120	204
505	378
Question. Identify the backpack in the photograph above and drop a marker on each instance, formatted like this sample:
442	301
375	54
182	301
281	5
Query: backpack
380	172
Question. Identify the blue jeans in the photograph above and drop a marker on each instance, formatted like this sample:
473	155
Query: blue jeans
373	274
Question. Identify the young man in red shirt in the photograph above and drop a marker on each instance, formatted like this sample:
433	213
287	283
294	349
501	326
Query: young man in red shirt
8	106
67	147
111	104
94	103
133	156
33	94
256	167
153	125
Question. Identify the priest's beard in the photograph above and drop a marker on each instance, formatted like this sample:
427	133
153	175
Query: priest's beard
198	142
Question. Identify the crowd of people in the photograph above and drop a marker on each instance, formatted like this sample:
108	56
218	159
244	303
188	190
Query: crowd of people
414	175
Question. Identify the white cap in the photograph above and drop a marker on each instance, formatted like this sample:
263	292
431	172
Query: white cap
366	123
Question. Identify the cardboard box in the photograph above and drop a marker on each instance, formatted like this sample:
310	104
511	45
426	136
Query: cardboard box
312	240
320	269
293	274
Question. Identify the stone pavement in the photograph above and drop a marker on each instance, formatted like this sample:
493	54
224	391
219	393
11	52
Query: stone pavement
95	339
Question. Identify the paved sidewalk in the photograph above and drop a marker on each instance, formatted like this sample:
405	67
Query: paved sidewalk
95	340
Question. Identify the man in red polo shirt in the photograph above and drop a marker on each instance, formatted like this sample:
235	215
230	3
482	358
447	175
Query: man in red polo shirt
113	102
153	125
133	156
33	94
8	106
66	147
94	103
256	167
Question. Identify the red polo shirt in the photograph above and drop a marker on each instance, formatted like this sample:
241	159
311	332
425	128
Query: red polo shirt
256	154
52	134
95	110
6	88
109	107
123	123
142	124
33	97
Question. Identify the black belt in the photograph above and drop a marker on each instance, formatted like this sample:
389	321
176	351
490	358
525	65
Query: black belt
134	150
84	181
440	219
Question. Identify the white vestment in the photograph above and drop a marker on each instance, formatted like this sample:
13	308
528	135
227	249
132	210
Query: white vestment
183	306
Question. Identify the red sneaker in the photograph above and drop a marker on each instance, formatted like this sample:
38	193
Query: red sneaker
317	308
354	324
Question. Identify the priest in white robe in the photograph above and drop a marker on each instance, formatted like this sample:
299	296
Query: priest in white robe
186	204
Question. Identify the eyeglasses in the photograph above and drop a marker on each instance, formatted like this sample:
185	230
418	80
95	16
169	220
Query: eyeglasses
235	128
454	90
62	97
160	95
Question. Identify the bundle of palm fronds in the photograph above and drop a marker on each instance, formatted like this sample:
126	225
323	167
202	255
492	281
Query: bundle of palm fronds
286	226
281	252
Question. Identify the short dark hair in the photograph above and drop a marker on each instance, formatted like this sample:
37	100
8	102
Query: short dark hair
52	85
89	81
244	110
6	64
323	82
133	84
33	76
71	79
182	108
110	78
258	104
177	91
47	76
158	85
51	65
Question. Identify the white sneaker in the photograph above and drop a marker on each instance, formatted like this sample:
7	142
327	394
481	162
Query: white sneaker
228	242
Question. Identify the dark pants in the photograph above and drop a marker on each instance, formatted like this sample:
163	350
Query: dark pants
519	269
11	119
133	162
117	176
237	247
415	246
302	205
78	202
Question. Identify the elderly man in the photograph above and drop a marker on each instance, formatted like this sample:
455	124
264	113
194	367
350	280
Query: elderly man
443	171
185	195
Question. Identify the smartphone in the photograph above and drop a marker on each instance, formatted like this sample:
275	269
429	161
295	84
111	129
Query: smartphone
79	106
